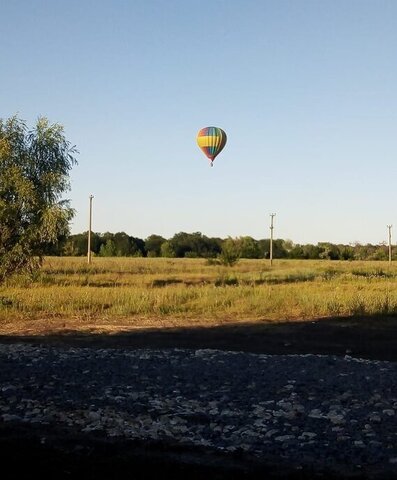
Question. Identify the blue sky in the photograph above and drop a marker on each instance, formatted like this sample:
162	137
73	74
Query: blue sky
306	91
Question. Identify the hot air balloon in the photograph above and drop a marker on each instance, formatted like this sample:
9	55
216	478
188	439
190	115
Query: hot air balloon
211	140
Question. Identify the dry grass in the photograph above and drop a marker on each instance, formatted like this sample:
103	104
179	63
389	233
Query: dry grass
122	293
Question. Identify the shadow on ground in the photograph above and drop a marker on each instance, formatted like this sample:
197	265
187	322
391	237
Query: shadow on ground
373	337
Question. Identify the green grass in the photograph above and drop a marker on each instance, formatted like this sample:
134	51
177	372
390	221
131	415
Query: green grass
149	291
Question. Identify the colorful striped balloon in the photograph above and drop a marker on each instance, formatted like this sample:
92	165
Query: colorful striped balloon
211	140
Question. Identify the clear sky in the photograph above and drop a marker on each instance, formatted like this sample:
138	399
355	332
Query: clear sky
305	89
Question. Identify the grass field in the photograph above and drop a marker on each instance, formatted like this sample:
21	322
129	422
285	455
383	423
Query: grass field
122	293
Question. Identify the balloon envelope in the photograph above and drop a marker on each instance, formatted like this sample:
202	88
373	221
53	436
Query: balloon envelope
211	140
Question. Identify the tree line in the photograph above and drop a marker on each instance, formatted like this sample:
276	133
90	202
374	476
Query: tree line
197	245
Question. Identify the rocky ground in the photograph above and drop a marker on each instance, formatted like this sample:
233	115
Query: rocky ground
300	400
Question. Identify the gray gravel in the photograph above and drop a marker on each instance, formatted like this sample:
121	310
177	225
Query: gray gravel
305	409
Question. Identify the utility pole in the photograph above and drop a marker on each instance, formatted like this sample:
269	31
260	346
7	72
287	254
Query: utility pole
89	232
271	238
389	228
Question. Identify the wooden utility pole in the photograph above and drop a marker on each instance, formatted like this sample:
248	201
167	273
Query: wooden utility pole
389	228
271	238
89	232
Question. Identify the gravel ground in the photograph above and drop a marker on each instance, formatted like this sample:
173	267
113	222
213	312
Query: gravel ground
319	412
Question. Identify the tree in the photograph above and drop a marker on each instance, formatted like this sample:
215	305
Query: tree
153	245
214	247
231	251
167	250
279	248
296	252
330	251
381	253
313	252
137	247
34	173
181	243
194	245
249	248
122	243
264	247
346	252
108	249
76	245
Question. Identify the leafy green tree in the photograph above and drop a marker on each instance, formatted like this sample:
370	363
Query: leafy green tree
264	247
249	248
279	250
153	245
195	245
181	244
167	249
34	172
214	247
108	249
381	253
363	252
346	252
123	244
57	248
288	245
330	251
76	245
312	252
204	247
231	251
137	247
296	252
95	243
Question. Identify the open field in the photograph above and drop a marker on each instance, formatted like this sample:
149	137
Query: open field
118	294
295	307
